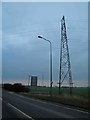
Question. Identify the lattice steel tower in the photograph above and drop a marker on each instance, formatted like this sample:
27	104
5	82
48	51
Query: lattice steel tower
65	67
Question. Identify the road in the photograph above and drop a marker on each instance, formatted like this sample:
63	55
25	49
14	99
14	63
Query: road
0	102
22	107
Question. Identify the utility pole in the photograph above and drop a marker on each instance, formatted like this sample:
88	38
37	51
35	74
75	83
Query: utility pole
65	67
42	80
29	80
51	82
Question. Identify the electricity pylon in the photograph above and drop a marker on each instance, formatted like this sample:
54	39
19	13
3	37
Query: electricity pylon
65	67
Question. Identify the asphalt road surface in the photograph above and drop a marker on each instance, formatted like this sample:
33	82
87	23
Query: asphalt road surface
17	106
0	102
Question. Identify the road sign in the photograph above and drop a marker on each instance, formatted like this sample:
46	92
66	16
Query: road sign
33	80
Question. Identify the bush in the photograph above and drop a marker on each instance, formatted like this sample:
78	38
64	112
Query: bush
17	87
7	86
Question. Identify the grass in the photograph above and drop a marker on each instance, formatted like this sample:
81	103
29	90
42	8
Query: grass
78	99
79	91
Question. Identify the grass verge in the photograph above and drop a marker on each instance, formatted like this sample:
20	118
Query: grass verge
75	101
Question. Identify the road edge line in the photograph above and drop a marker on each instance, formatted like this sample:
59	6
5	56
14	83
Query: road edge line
0	98
20	111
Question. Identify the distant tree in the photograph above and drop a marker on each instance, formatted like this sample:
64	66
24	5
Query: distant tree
18	87
8	86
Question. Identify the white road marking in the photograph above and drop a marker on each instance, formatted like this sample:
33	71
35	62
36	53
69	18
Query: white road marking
11	92
0	98
20	111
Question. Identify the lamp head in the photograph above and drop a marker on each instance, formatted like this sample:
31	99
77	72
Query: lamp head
39	37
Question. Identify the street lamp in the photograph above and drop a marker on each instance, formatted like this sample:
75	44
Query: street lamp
50	62
29	80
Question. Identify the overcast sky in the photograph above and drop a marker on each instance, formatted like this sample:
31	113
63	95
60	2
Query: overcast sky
24	53
44	0
0	42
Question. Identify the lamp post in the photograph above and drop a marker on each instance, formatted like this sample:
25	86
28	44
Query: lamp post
29	80
50	63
